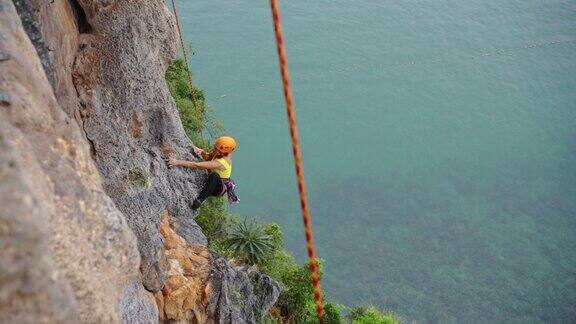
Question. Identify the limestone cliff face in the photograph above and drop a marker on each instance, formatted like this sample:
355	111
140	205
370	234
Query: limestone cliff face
131	121
67	252
204	287
85	122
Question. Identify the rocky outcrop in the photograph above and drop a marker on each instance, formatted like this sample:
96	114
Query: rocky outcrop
203	287
185	295
86	121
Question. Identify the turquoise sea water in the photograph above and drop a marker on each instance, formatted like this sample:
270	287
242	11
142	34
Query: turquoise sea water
439	144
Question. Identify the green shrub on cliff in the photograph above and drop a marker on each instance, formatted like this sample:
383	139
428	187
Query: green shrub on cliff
369	315
192	116
249	242
296	302
138	177
195	113
214	219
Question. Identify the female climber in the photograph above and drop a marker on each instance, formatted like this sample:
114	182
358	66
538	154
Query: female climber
219	162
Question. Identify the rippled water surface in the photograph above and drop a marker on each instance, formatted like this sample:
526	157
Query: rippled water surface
439	143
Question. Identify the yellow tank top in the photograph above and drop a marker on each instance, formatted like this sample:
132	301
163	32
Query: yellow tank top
224	174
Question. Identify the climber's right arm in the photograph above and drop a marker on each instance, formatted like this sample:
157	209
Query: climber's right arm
202	153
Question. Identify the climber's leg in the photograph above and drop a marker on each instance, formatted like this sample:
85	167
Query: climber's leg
212	187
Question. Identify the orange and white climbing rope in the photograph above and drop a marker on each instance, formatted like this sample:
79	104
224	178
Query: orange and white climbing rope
297	157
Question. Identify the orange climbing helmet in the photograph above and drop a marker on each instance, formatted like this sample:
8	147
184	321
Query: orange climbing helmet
225	144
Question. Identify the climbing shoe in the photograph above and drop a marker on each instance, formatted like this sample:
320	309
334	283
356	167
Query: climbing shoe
196	204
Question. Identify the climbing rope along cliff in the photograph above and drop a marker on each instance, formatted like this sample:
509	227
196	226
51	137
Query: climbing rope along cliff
185	55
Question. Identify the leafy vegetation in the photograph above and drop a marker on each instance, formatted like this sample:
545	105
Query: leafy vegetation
138	177
195	113
249	242
252	242
369	315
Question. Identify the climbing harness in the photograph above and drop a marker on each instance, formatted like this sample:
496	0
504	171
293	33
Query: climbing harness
229	186
297	157
185	54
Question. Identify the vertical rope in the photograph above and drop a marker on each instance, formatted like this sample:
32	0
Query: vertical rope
297	157
185	54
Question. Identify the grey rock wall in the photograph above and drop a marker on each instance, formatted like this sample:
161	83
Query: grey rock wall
67	252
238	292
86	121
132	123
